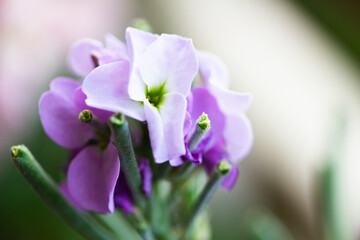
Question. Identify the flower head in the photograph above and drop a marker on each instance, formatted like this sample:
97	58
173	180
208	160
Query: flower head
151	86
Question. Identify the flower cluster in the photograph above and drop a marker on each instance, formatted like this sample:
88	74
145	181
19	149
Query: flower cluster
181	114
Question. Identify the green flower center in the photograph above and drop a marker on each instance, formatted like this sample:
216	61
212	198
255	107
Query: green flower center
155	95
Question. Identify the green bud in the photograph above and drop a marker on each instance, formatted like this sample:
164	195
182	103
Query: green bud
142	24
203	123
223	167
86	116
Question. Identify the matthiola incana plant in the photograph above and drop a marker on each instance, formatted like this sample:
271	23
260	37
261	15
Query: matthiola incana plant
142	119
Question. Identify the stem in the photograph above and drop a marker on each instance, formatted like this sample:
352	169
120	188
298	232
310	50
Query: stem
48	191
183	171
202	127
220	172
86	116
119	225
141	225
122	141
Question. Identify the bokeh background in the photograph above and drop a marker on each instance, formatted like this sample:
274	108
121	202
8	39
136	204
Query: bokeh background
299	58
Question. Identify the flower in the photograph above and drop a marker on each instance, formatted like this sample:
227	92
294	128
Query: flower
93	172
230	136
152	86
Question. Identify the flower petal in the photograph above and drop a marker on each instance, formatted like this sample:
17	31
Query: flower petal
65	191
166	127
230	101
213	70
79	100
171	60
137	41
115	50
106	88
238	136
92	178
79	58
59	115
122	195
176	161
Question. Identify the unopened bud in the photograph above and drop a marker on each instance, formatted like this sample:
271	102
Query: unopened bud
203	123
86	116
224	167
142	24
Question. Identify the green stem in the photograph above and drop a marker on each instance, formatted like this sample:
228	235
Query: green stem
48	191
119	225
220	172
141	225
202	127
183	171
122	141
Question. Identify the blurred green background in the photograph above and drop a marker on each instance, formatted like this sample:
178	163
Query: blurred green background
299	58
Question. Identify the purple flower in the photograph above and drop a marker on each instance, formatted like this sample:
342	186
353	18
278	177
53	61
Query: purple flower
238	131
230	136
93	171
152	86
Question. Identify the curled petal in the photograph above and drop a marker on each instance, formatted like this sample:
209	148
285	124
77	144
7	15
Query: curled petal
171	60
106	88
59	115
80	56
92	177
213	70
166	127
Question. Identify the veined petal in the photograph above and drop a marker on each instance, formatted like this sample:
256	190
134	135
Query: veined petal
166	127
59	115
137	41
92	177
213	70
171	60
204	102
80	60
106	88
238	136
